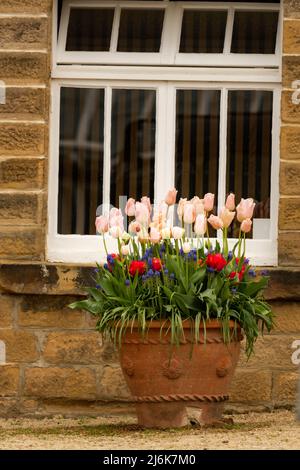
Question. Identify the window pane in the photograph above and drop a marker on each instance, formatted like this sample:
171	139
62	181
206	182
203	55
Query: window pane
203	31
249	151
89	29
80	159
140	30
197	142
132	144
254	32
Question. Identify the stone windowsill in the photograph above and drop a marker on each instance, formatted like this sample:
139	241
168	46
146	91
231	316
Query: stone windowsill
61	279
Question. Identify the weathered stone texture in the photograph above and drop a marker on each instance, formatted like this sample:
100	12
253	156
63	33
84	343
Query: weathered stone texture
21	173
291	70
291	37
285	388
287	317
56	382
251	386
40	311
22	139
289	248
113	385
290	112
7	305
291	8
26	6
73	348
23	33
21	66
290	143
25	244
289	210
24	208
21	346
24	103
9	380
289	178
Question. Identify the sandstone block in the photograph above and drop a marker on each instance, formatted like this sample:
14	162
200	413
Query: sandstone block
22	208
9	407
73	348
21	66
291	9
23	33
7	303
285	388
20	345
289	248
24	103
290	143
59	382
22	139
291	37
290	178
289	210
26	6
50	311
112	384
251	386
21	244
287	317
290	70
9	381
21	173
290	111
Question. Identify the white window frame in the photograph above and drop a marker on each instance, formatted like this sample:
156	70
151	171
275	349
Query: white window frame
169	51
87	249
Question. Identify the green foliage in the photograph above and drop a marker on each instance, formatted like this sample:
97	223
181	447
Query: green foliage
184	287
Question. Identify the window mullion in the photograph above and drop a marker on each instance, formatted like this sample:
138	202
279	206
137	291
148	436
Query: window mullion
115	30
107	147
229	31
222	150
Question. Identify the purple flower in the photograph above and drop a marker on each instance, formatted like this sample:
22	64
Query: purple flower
252	273
234	290
172	276
230	255
105	266
210	270
127	282
264	272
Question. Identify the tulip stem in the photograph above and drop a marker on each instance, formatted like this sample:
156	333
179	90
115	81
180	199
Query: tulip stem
240	242
225	242
104	243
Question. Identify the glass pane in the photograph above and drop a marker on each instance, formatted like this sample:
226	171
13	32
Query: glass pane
140	30
197	142
132	144
89	29
254	32
80	159
203	31
249	152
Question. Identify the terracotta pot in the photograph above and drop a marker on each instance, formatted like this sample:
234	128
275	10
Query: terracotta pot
171	387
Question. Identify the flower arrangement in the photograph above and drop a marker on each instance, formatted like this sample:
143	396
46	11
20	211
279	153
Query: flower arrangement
176	273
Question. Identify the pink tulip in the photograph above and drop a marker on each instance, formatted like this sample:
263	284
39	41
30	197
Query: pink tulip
200	226
209	200
230	202
125	250
116	232
177	233
101	224
147	202
143	235
114	212
226	216
246	225
134	227
215	222
163	208
142	213
198	204
117	221
189	213
130	207
180	209
155	235
170	198
245	209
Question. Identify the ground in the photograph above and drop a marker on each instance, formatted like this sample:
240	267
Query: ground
276	430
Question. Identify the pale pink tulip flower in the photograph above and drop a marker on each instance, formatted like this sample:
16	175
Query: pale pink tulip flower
200	226
215	222
102	224
209	200
170	198
226	216
189	213
245	209
130	207
246	225
230	202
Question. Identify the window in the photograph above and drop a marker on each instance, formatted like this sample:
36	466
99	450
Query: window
151	94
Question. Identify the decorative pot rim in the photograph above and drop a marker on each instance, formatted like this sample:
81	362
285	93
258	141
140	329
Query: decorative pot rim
210	324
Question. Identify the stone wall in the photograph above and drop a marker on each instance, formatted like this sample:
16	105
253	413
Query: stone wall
54	360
